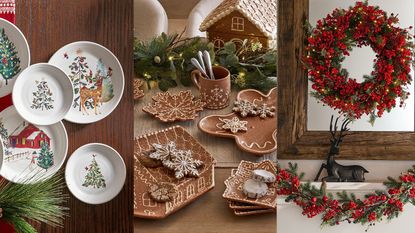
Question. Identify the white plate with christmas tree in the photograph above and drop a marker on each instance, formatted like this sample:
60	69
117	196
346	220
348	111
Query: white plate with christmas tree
97	77
95	173
14	55
30	150
43	94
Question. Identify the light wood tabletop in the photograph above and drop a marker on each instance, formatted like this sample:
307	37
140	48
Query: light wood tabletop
210	212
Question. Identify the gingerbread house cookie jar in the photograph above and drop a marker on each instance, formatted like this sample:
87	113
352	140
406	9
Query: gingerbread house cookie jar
237	20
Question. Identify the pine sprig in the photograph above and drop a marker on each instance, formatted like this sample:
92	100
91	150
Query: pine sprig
165	60
40	202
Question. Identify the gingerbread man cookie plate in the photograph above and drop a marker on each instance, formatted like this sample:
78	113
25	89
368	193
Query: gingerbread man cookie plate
253	124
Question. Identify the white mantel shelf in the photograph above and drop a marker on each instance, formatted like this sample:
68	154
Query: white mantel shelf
290	219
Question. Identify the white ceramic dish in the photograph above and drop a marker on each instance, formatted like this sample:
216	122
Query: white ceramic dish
43	94
97	77
29	149
95	173
13	38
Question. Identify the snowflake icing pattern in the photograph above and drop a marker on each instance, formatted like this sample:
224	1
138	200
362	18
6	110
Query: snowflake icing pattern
264	111
183	164
234	125
163	152
245	108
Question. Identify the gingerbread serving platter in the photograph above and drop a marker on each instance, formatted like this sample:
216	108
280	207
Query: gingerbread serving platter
169	107
252	123
164	185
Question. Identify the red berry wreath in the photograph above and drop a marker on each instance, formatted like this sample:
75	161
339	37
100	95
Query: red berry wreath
335	36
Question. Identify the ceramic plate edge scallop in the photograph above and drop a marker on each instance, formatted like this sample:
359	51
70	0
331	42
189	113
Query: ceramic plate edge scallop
95	173
43	94
98	80
31	152
11	36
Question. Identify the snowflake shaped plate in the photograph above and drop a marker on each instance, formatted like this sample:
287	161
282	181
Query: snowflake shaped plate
261	135
189	189
112	170
97	77
168	107
22	147
43	94
17	38
234	185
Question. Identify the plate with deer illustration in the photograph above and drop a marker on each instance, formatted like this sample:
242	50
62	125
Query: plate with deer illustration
97	78
14	55
30	152
95	173
43	94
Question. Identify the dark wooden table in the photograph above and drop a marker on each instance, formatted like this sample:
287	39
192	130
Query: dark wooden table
50	24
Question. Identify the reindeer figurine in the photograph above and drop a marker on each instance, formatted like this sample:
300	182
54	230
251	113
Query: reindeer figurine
335	171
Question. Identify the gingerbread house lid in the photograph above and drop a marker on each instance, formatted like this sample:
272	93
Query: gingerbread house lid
262	13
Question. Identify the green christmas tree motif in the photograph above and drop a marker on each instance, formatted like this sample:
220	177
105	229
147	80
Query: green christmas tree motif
42	97
94	176
4	135
10	62
45	159
81	76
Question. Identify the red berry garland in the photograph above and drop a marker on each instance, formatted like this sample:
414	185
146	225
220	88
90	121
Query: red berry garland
347	208
335	36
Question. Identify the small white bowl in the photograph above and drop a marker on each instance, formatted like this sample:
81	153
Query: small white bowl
43	94
95	173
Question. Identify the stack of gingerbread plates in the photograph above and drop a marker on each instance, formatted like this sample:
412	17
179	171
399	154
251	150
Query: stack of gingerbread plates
251	189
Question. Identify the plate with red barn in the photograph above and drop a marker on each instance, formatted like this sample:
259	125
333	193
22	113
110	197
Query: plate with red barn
97	78
30	151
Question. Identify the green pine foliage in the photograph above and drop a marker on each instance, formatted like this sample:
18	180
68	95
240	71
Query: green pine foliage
10	62
80	74
45	159
42	97
41	201
251	66
4	135
94	176
166	60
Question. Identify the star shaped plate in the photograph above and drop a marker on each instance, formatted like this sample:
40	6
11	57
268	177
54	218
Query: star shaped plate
234	185
189	188
261	135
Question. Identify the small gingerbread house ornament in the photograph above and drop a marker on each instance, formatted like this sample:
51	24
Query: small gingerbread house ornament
237	20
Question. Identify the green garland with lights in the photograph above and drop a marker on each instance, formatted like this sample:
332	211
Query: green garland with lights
165	60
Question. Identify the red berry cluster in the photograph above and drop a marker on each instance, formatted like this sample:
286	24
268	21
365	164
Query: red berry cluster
335	36
351	210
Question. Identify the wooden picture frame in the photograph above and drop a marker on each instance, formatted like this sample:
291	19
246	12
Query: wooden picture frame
294	140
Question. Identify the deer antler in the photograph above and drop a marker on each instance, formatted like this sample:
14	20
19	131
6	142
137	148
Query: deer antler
333	133
344	128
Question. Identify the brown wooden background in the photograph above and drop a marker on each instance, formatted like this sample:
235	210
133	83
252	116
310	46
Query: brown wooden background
50	24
